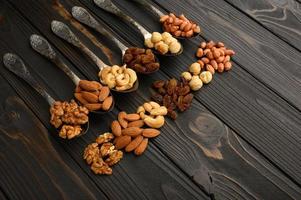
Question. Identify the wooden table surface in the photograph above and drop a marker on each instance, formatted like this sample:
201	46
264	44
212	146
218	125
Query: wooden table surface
241	139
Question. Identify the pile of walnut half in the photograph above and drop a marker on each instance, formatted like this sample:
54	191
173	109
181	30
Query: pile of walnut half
93	95
119	78
102	154
68	117
173	94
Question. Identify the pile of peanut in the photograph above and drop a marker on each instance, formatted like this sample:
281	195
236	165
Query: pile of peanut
163	43
68	117
93	95
141	60
119	78
179	26
173	94
214	56
102	154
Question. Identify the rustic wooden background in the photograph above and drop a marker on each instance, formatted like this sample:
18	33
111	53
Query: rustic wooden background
241	139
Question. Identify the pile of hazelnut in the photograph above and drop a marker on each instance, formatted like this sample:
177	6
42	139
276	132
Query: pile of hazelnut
174	95
179	26
68	117
119	78
102	154
141	60
163	43
93	95
214	56
196	77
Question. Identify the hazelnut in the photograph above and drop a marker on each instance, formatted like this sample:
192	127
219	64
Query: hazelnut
161	47
195	83
175	47
186	75
166	35
206	77
195	68
148	43
156	37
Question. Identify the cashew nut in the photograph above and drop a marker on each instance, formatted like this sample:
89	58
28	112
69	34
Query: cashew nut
148	107
162	110
132	74
140	109
154	104
104	72
124	87
122	79
156	122
114	70
110	80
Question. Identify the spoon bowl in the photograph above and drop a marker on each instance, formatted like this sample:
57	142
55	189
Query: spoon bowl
14	64
109	6
42	46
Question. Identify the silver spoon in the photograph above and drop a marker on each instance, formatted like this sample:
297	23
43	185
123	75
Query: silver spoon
110	7
41	45
64	32
158	13
83	16
14	64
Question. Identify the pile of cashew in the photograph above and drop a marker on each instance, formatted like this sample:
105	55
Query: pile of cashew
120	78
152	114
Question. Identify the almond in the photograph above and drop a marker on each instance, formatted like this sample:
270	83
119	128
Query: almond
78	89
96	92
132	131
89	85
138	123
142	146
132	117
90	97
93	106
122	141
134	144
80	98
116	128
104	93
150	132
106	105
121	119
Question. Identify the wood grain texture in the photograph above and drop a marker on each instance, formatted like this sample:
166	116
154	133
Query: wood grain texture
283	18
33	165
131	179
260	53
235	95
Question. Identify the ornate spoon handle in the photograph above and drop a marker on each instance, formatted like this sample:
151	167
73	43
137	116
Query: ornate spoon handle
112	8
14	64
85	17
150	7
41	45
64	32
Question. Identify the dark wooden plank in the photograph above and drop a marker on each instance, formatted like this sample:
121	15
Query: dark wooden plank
282	18
258	109
132	178
268	177
2	195
33	165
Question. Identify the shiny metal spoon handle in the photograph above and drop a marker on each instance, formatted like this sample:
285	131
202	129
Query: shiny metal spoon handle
41	45
14	64
110	7
83	16
64	32
150	7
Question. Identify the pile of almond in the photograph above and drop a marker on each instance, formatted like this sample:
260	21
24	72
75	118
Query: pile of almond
179	26
214	56
130	134
93	95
